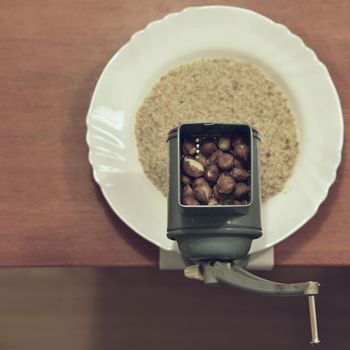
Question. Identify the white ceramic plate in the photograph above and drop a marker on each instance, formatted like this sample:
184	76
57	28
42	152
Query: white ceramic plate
214	31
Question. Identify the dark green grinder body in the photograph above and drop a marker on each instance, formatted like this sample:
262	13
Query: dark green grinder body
222	232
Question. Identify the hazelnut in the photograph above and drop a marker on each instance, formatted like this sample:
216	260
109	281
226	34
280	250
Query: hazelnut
225	161
190	201
216	192
239	163
188	148
207	148
203	193
187	191
214	157
225	184
241	189
237	139
202	159
241	150
200	181
192	167
236	202
185	180
213	201
211	172
239	174
226	200
224	143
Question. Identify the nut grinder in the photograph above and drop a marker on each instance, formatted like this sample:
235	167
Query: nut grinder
214	240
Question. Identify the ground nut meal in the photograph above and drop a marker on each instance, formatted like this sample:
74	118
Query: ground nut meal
222	91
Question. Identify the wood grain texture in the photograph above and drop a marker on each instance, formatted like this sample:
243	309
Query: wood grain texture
142	308
51	54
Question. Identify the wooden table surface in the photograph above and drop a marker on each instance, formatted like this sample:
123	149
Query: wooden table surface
51	55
